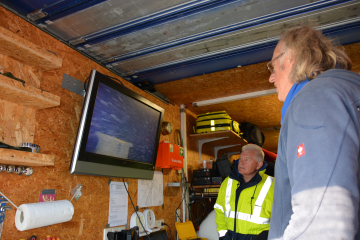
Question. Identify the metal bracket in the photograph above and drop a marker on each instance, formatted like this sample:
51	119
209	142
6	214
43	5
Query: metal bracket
77	41
201	142
229	154
216	149
73	85
37	15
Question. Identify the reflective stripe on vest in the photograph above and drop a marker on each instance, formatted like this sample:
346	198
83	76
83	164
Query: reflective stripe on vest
255	218
218	206
250	218
227	197
260	199
222	233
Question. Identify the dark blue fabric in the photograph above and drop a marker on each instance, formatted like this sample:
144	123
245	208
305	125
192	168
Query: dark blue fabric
293	91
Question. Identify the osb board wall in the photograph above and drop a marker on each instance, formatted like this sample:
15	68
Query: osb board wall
263	111
17	123
251	78
55	132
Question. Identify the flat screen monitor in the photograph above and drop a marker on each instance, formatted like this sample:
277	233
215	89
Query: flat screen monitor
118	133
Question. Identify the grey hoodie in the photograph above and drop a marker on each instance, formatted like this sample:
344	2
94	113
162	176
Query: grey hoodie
317	178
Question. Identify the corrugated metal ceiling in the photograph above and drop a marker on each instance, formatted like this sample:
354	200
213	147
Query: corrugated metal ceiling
166	40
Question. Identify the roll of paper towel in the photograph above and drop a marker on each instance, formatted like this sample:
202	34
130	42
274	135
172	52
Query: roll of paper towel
35	215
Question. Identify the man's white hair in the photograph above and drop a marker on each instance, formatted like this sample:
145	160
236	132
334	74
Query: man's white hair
259	154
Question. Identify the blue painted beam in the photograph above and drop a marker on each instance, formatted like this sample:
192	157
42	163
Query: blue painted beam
346	34
24	7
65	8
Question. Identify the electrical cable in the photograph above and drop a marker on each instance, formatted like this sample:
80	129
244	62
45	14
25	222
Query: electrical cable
187	105
183	199
252	198
114	79
8	200
178	137
85	85
169	229
185	192
135	210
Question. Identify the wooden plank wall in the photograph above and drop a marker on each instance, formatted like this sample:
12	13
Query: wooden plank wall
55	129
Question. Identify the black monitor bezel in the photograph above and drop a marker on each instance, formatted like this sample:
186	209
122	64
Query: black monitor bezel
80	155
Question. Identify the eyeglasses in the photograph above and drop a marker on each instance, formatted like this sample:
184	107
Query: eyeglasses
270	66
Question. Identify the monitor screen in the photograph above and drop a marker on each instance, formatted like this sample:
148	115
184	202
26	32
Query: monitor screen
118	133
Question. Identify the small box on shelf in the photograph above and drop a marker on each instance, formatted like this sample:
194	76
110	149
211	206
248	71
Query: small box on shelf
205	164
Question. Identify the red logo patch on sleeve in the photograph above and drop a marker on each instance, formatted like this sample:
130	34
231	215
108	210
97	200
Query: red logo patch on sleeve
300	150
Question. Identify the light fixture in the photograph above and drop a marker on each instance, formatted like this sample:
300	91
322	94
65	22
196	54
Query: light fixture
234	98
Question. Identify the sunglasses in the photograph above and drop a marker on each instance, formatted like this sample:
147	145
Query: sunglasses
270	66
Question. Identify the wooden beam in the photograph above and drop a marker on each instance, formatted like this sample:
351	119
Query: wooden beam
15	157
27	52
26	95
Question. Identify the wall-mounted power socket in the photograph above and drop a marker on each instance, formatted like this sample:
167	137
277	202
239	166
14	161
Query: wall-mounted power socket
158	223
112	229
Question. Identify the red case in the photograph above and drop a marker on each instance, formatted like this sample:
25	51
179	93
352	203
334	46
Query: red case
170	156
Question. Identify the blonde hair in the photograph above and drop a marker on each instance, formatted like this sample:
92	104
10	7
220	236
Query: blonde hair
312	52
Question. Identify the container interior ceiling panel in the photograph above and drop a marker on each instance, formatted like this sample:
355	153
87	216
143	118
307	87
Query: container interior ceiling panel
148	40
229	42
173	43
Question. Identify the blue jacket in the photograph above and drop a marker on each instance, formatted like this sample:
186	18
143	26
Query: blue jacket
317	178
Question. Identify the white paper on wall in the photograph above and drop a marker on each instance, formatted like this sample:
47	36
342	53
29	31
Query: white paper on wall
118	204
150	192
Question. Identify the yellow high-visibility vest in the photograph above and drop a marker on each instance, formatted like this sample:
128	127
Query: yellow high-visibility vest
253	217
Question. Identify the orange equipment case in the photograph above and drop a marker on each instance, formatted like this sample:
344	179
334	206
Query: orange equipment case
170	156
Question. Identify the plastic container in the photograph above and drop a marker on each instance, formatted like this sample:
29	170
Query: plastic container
170	156
205	164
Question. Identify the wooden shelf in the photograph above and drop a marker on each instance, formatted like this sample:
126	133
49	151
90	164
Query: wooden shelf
26	95
230	138
206	194
206	186
217	140
14	157
26	52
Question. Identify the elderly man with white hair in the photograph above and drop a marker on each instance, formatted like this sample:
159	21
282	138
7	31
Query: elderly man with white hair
244	203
